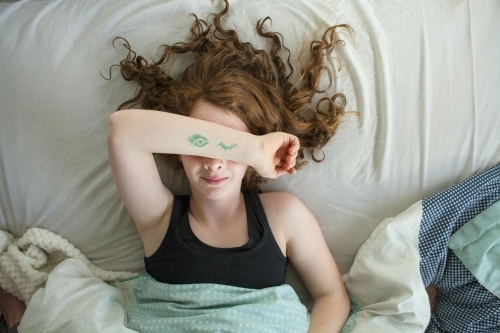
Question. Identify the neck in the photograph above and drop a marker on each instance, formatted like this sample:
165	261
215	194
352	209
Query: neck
220	211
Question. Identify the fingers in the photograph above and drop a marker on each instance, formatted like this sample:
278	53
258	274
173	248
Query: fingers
285	155
294	145
286	165
279	170
289	160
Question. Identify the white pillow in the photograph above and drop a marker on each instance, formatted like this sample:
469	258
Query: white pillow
386	291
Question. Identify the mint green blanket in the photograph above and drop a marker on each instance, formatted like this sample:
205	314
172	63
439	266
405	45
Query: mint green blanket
477	245
162	307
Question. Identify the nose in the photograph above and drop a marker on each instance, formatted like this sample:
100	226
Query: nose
213	164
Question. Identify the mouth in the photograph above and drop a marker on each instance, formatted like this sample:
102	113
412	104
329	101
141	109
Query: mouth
214	181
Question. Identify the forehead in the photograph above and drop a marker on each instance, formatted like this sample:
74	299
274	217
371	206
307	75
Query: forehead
209	112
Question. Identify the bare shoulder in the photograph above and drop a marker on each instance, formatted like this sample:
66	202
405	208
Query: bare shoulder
282	204
287	215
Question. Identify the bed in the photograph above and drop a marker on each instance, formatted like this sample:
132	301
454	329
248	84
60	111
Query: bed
422	77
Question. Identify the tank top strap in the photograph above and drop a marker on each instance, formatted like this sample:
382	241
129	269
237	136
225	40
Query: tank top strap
260	215
253	203
254	224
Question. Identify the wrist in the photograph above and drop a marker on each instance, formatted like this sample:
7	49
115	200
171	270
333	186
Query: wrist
257	152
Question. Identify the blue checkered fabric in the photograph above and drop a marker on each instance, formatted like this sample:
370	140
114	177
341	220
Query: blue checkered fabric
463	304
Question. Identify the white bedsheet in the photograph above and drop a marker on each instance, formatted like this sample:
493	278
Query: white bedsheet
423	75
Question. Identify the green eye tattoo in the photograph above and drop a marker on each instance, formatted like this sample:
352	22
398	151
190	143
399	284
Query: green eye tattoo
227	147
197	140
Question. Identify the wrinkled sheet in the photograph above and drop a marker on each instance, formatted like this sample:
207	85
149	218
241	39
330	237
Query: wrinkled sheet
215	308
75	300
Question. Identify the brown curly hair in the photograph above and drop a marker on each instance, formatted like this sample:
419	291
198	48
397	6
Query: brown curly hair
251	83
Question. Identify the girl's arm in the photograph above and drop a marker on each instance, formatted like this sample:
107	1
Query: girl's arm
310	256
133	135
313	261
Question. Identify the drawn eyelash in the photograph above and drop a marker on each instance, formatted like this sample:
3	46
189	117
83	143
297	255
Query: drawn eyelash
227	147
197	140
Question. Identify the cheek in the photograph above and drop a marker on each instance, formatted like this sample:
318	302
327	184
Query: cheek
189	162
238	168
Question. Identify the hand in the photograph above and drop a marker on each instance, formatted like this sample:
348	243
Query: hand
278	155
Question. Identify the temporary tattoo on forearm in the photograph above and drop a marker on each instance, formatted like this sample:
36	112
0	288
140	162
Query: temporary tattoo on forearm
197	140
227	147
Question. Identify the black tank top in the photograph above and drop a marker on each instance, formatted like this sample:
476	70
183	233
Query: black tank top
183	259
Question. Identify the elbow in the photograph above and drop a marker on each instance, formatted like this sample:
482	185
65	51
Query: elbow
346	302
338	300
342	298
115	127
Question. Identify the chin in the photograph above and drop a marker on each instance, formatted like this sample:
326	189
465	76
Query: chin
218	192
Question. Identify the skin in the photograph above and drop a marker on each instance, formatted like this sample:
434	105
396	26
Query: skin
217	209
432	293
11	307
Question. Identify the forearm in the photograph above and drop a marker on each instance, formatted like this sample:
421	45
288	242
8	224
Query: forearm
160	132
329	314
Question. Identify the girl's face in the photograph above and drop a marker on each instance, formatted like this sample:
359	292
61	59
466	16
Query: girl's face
214	178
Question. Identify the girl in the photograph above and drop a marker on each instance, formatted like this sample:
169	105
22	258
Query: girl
231	119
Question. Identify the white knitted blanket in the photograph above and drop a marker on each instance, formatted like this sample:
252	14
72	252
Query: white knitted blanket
26	262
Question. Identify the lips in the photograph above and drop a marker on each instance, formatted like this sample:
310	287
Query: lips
214	181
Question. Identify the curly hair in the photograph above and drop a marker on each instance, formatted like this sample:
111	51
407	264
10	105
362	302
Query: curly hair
251	83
